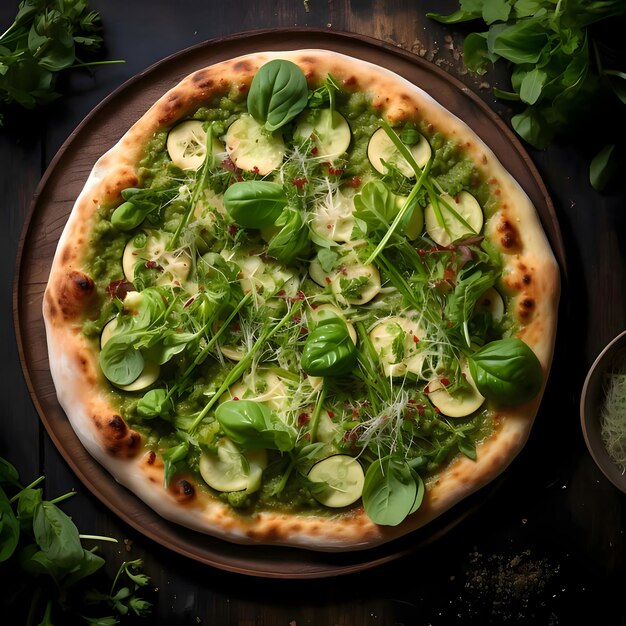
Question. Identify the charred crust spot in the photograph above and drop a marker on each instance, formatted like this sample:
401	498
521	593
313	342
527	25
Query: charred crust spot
66	255
118	427
52	310
509	238
84	284
526	279
151	457
133	441
113	449
243	66
528	304
183	490
350	81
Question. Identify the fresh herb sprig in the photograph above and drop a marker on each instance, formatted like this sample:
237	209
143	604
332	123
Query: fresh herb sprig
560	71
47	568
46	38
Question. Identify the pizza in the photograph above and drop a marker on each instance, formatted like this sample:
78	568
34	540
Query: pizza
301	303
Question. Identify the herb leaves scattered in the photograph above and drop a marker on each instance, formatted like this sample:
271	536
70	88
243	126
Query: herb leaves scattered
560	70
46	38
45	566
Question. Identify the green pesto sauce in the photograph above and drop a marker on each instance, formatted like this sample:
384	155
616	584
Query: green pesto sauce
452	169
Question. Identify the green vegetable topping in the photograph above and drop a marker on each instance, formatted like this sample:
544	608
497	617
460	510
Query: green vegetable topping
255	203
506	371
277	94
329	349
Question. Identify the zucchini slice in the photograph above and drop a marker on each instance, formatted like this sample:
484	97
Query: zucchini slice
492	302
232	469
150	247
330	134
186	145
460	403
251	148
380	148
342	478
394	340
465	219
356	284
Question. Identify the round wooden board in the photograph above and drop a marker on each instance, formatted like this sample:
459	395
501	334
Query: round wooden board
50	209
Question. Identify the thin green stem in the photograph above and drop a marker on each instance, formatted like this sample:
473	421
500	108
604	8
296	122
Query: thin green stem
33	484
315	418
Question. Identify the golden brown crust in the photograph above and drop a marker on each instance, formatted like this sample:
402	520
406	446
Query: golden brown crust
530	276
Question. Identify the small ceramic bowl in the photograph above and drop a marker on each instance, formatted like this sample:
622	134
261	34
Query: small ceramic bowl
591	401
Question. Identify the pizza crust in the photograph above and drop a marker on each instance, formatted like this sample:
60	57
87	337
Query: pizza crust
530	275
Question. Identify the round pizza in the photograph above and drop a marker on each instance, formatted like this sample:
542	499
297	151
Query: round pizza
301	303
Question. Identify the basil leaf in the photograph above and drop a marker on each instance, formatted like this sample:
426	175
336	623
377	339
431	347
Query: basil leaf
329	349
506	371
278	93
29	500
532	86
522	42
292	240
255	203
251	424
390	491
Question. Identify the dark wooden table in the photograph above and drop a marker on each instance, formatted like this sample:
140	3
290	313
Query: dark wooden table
547	548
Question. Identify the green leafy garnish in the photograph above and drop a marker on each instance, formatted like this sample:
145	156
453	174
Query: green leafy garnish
560	69
45	39
46	567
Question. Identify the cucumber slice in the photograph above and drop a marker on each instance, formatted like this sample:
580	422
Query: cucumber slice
231	469
460	403
393	339
466	207
492	302
414	227
343	480
330	134
174	266
380	148
324	311
317	274
345	284
186	145
251	148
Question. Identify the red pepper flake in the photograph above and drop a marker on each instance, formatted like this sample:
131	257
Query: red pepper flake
177	283
355	412
307	435
416	339
421	252
135	312
444	381
354	182
329	226
150	264
300	295
437	410
303	418
449	274
427	389
233	229
235	398
255	169
299	182
281	293
327	279
189	302
330	414
421	410
314	150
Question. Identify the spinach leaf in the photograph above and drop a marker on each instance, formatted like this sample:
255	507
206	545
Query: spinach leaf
278	92
329	349
255	203
602	167
390	491
251	424
120	361
506	371
154	403
57	536
27	503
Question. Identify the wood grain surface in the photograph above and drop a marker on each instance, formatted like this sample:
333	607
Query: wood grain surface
548	548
